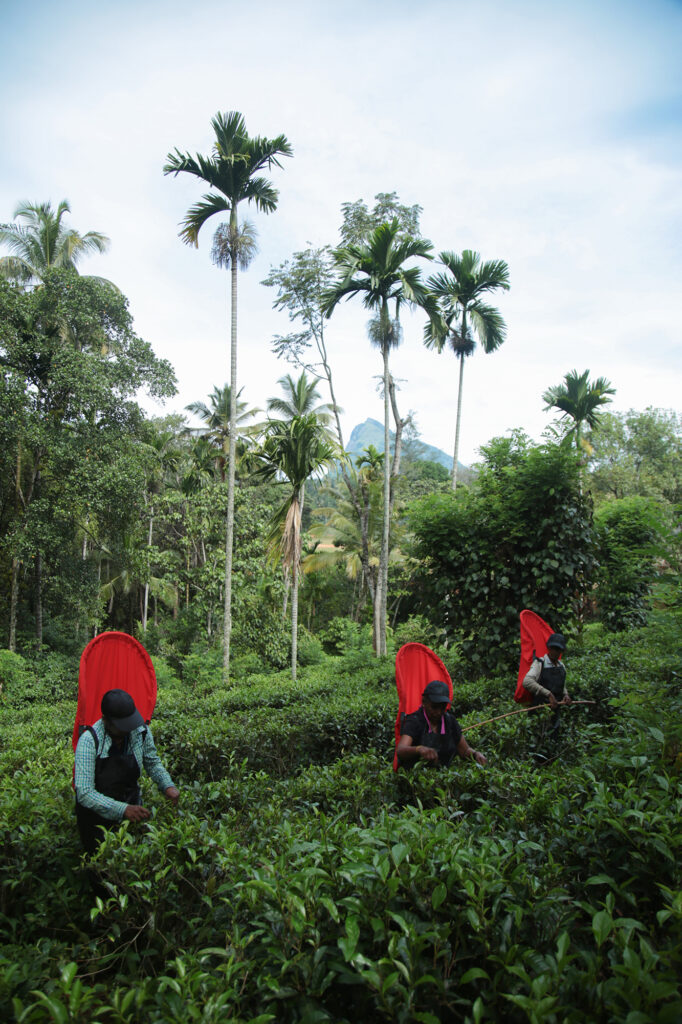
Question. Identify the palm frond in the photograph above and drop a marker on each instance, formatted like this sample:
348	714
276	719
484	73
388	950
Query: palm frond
198	214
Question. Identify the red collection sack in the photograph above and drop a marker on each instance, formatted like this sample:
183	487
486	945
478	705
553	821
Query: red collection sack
415	666
534	636
113	661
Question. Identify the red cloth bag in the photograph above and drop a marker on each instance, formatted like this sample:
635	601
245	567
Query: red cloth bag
113	661
415	666
534	636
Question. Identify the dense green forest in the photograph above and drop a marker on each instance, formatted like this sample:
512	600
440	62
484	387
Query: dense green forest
272	576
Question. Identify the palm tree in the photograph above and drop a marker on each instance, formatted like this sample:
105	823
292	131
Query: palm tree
295	449
352	523
464	317
300	398
41	241
376	270
578	399
233	172
216	417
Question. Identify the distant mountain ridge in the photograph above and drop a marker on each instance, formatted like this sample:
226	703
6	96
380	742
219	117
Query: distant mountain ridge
372	432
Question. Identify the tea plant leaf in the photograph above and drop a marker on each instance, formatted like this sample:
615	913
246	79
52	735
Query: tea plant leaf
602	926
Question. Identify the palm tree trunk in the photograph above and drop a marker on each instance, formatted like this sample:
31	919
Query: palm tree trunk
229	531
383	561
294	619
459	418
14	589
39	600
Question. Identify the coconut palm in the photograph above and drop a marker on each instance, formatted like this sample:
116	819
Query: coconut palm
217	422
579	399
300	398
349	529
464	317
41	241
294	449
233	173
377	271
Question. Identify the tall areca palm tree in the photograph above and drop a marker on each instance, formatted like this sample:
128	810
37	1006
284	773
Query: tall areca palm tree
377	270
233	173
295	449
464	317
579	399
40	241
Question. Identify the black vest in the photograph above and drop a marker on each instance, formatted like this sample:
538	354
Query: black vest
553	679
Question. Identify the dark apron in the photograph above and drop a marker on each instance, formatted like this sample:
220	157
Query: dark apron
553	679
444	745
116	776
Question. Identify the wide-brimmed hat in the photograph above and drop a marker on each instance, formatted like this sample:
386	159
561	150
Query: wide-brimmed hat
118	707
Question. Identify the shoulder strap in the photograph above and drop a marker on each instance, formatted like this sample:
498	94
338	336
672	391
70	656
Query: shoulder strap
89	728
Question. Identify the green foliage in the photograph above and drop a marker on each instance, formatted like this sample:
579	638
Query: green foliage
16	678
342	635
302	879
637	453
627	531
521	537
310	651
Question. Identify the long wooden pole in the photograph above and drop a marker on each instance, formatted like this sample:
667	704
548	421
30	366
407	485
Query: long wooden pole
524	711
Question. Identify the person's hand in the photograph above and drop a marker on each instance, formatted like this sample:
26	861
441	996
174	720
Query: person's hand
481	758
566	699
134	812
427	754
172	794
553	702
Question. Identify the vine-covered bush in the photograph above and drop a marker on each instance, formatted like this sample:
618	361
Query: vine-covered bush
627	530
520	537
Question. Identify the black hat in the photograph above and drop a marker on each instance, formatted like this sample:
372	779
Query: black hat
118	707
437	692
557	640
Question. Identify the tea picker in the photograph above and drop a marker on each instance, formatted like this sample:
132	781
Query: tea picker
112	738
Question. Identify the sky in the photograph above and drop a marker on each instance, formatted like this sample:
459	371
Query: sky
547	135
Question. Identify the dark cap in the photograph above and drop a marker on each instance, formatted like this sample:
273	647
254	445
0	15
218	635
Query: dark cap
557	640
437	692
118	707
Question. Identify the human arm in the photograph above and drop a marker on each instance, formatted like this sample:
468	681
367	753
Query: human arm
531	682
469	754
155	769
408	752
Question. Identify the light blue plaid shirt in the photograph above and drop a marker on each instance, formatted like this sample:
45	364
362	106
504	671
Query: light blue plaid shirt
140	744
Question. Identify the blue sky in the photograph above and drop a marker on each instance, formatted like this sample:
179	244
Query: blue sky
545	135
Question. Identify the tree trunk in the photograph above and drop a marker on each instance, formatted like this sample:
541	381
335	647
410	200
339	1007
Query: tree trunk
382	587
13	605
459	417
229	531
294	619
145	605
39	600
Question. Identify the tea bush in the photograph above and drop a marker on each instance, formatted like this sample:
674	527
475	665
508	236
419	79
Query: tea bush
301	879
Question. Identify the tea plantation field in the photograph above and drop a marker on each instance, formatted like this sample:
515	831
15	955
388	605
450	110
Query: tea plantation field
303	880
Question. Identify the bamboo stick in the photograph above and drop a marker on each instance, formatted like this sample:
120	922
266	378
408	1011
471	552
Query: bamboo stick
522	711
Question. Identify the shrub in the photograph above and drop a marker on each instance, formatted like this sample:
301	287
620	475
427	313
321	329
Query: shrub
521	537
310	650
627	530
